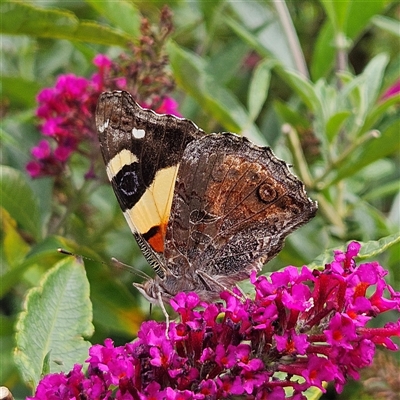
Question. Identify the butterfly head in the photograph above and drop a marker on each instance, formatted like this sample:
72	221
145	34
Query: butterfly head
153	290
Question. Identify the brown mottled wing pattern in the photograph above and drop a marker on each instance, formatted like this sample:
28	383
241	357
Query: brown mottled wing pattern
233	206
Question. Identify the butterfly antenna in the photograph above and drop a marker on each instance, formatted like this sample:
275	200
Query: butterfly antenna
117	263
69	253
130	269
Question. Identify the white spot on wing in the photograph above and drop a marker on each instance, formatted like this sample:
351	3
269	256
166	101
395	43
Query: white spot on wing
138	133
104	126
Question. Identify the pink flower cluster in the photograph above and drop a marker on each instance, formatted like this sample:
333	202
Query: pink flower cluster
392	90
67	114
308	326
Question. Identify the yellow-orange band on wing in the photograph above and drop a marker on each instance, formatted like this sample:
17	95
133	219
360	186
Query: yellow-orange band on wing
124	157
153	209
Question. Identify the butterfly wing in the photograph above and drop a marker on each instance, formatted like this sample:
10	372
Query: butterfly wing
142	151
233	206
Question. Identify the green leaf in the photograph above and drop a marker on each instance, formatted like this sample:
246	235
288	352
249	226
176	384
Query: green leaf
375	247
324	52
334	124
314	393
19	91
18	199
44	253
387	143
360	16
14	246
306	91
261	25
56	318
363	92
24	19
289	115
121	13
8	370
258	90
337	12
388	24
370	249
379	110
324	48
296	81
190	73
382	191
248	37
232	54
114	307
8	138
373	77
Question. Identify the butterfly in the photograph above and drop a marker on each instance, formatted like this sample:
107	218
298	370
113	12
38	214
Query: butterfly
205	209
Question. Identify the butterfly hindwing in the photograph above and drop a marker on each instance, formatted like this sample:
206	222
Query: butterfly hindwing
233	206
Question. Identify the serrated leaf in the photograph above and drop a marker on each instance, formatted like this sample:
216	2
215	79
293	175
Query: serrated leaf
56	319
258	90
375	247
121	13
190	73
18	199
368	249
24	19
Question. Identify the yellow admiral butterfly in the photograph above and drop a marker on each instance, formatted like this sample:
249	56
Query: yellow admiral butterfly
205	210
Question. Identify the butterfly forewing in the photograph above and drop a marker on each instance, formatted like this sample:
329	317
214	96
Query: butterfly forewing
142	151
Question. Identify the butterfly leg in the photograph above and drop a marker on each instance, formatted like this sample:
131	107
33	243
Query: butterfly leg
204	276
161	303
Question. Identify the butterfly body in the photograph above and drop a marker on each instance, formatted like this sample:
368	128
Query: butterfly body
206	210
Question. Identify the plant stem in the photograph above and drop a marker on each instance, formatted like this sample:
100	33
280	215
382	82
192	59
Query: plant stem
298	154
293	40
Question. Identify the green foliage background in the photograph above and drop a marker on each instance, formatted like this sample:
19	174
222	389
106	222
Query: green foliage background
305	77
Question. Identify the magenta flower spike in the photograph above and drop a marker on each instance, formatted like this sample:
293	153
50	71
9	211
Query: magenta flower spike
309	325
